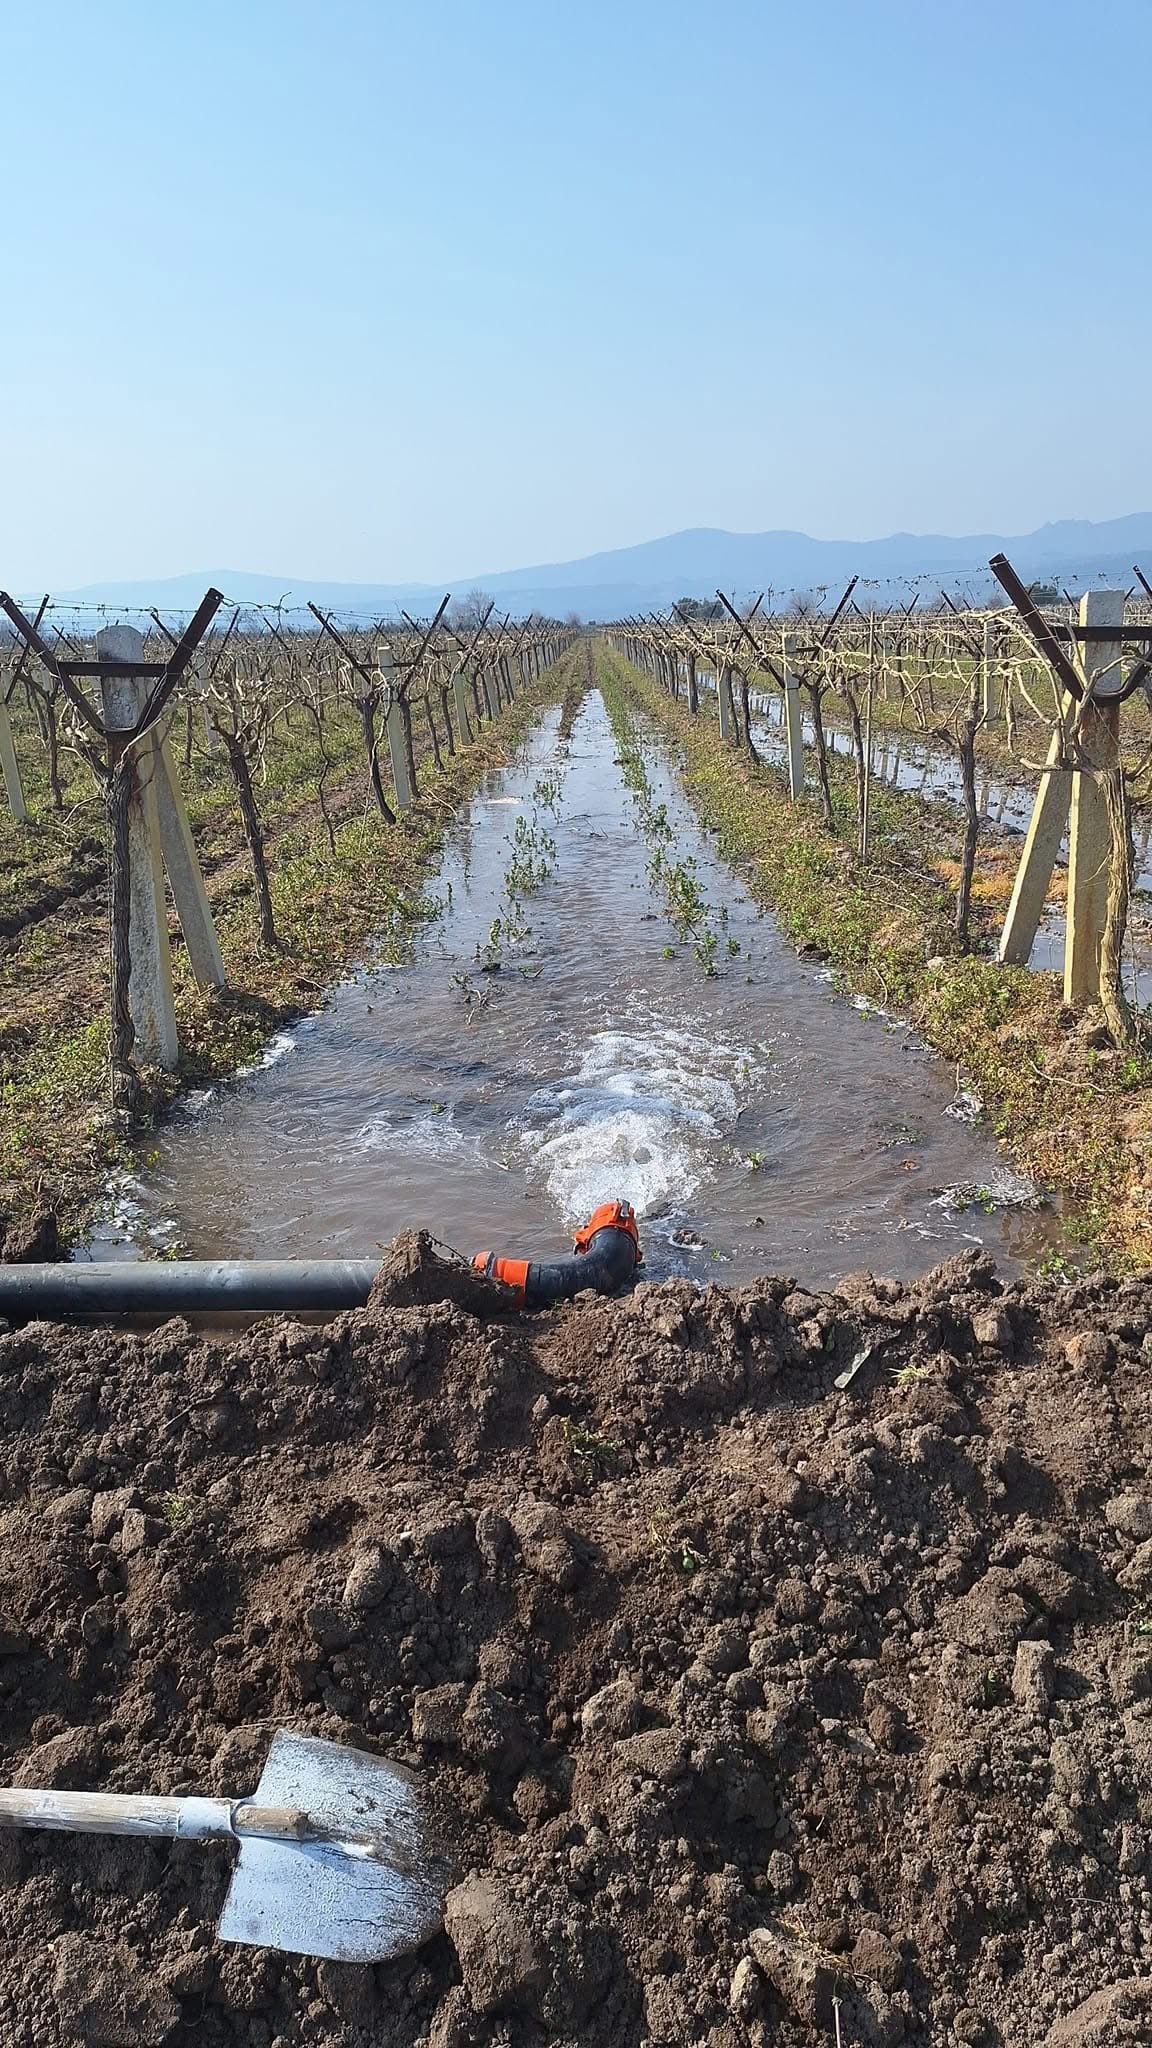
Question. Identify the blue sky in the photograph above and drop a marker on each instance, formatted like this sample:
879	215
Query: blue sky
379	292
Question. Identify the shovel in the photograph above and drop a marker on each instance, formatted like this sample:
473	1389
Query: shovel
335	1848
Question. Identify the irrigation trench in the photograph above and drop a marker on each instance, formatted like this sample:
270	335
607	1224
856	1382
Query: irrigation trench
561	1035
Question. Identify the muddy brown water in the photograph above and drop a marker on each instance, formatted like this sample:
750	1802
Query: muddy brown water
757	1118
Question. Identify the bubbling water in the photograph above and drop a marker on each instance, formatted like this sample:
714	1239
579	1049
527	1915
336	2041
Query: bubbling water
643	1113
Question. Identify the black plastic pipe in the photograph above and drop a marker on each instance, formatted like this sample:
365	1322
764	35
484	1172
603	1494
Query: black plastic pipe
126	1287
609	1262
181	1286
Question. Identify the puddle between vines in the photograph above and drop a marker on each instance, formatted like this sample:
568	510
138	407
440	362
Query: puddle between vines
597	1008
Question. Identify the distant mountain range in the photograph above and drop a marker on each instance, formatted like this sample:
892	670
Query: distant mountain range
650	577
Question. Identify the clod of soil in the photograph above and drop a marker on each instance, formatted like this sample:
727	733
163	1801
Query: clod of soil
30	1239
758	1706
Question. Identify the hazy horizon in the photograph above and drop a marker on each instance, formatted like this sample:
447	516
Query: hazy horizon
471	577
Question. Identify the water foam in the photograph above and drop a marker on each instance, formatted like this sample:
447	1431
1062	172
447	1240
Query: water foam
641	1119
1003	1189
433	1136
283	1042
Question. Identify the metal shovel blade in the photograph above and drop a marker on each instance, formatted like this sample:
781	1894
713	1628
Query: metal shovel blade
369	1890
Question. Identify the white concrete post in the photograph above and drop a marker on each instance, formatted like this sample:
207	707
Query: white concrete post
394	727
1090	834
150	996
1046	829
793	719
463	721
9	765
180	859
724	698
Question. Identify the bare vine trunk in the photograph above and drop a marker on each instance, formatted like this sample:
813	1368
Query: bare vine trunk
446	708
367	707
253	834
1113	1001
125	1089
821	756
434	735
966	750
409	750
966	753
859	759
326	765
52	739
746	708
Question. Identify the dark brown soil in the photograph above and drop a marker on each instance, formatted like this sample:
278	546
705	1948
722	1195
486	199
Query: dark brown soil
762	1708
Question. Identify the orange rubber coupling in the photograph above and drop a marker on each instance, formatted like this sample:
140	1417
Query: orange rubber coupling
609	1216
513	1272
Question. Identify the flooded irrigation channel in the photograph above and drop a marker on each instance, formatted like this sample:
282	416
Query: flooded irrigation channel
596	1008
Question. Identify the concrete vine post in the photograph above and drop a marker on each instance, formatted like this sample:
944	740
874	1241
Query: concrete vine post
1083	781
182	863
9	765
394	727
1090	836
143	1003
793	717
460	694
1041	845
724	697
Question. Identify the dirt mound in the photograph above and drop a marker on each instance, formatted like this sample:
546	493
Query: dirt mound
762	1706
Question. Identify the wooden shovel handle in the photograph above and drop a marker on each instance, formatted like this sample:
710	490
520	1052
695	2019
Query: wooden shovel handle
120	1813
114	1813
